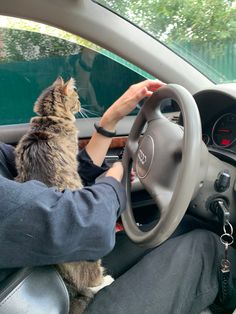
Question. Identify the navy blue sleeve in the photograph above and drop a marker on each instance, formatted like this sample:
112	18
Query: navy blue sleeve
88	171
9	154
41	226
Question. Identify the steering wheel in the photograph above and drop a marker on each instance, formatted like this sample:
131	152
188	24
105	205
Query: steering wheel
166	159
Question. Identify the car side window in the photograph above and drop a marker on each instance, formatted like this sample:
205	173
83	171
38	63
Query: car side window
30	61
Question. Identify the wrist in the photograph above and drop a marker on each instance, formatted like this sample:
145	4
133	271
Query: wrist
108	124
103	131
114	174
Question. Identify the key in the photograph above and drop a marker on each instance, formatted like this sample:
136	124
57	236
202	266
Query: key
225	266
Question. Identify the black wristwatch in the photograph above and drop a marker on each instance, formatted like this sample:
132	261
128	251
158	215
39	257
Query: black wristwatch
104	132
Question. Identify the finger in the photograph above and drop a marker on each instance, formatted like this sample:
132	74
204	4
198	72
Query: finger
154	85
149	93
132	173
132	177
143	92
151	85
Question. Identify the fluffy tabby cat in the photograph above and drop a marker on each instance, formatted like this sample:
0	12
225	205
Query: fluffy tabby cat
47	152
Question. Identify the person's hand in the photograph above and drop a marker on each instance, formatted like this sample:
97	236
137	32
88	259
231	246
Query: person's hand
98	145
127	102
132	175
116	171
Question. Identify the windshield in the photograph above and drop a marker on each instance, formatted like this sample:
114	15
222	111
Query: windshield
203	32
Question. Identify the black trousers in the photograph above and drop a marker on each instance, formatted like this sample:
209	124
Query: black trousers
178	277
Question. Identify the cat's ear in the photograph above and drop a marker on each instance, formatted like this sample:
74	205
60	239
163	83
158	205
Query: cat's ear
69	87
59	81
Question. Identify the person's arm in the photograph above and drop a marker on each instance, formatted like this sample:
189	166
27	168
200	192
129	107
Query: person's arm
87	170
99	144
8	152
41	226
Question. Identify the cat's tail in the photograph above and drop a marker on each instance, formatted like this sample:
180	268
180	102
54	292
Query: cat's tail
79	302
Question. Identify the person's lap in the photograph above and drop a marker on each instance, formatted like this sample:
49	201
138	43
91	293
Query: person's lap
125	253
180	276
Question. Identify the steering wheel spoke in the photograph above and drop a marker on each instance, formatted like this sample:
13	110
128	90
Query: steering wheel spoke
162	199
132	150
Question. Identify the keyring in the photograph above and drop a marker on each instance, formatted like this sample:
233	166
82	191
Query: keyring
231	228
224	241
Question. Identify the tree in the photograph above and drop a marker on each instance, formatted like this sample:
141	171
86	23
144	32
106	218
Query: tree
26	40
201	31
181	20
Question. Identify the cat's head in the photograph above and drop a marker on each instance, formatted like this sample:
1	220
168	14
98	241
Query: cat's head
60	100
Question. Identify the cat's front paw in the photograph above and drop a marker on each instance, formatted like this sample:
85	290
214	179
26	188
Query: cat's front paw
107	280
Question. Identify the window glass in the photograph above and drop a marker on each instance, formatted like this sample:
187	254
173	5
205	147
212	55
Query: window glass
203	32
31	59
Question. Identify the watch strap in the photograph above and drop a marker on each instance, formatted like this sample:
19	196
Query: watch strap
103	131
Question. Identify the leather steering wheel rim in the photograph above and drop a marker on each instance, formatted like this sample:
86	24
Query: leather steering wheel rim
166	159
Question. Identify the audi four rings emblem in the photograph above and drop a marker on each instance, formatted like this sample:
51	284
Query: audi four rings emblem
142	157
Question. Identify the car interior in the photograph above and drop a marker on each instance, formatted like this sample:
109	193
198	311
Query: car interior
181	142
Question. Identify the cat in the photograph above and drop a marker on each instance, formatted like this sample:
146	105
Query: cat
48	153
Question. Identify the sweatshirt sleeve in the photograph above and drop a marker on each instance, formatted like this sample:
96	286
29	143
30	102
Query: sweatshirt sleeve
88	171
9	155
41	226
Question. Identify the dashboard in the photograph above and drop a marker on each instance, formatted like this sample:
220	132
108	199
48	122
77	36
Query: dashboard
217	108
221	133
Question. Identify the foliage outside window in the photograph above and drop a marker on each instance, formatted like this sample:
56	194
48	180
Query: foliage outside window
201	31
33	55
